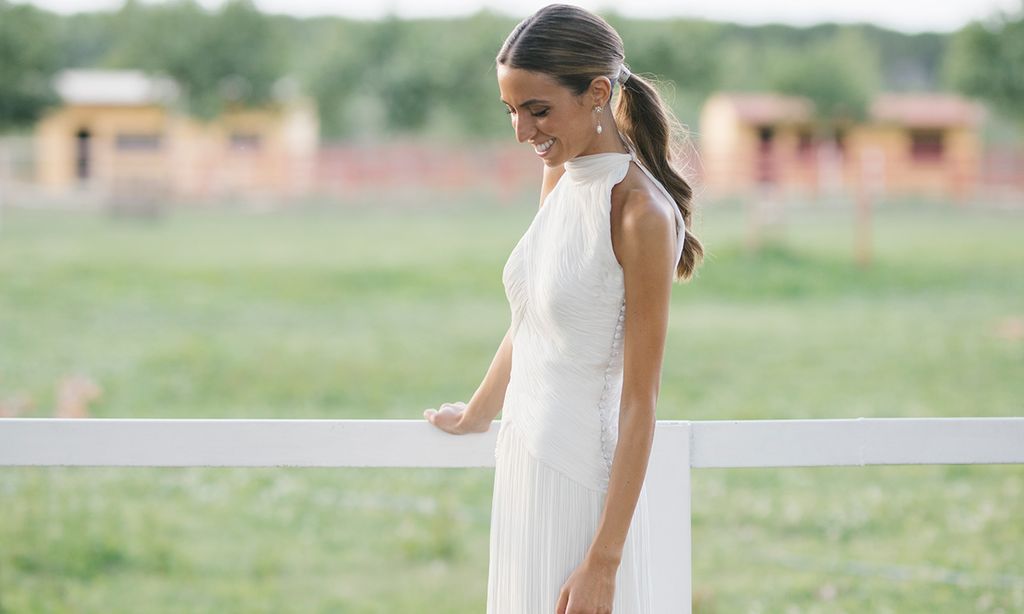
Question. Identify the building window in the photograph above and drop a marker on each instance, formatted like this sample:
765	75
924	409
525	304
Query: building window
128	141
244	141
926	145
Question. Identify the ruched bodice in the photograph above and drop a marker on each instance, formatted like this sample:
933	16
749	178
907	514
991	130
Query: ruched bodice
559	424
565	290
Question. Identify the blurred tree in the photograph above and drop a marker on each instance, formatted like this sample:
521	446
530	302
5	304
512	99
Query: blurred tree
678	50
909	62
28	59
435	77
85	39
682	54
232	56
412	75
468	85
986	59
840	75
739	67
336	61
380	65
405	58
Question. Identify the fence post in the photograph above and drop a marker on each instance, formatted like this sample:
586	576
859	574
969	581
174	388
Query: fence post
668	498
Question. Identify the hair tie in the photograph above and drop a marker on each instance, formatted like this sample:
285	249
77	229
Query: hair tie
624	74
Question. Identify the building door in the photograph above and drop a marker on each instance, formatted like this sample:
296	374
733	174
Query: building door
82	154
765	159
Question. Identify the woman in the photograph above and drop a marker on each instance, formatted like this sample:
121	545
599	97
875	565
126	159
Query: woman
588	285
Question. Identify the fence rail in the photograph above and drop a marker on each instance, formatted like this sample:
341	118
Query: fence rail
679	446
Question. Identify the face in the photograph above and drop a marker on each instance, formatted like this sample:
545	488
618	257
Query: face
559	124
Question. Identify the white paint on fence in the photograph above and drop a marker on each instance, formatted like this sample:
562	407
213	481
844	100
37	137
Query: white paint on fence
678	447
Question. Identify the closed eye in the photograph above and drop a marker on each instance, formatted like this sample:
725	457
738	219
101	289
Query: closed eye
543	113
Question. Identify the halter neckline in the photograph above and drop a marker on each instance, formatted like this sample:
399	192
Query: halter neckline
593	165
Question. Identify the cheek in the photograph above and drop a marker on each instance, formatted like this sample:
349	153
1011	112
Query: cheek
552	124
566	124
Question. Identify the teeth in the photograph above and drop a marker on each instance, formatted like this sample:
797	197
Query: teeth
544	146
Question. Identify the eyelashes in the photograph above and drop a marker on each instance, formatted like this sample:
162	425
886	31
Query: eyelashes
540	114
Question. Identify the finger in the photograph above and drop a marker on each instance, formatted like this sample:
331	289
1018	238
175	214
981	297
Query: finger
563	602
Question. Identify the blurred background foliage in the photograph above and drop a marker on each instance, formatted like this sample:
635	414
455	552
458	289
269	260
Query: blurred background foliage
393	302
436	76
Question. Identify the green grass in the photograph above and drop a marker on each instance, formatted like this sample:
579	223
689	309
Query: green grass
379	313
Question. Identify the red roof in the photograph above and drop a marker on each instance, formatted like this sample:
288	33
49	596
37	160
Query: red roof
770	108
926	110
918	110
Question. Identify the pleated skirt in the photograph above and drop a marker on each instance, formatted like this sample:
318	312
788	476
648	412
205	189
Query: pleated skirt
542	524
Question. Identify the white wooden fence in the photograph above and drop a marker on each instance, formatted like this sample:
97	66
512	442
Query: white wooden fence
679	446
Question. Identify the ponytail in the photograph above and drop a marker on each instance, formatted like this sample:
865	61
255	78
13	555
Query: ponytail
651	128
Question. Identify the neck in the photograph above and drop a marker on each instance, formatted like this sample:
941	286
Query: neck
608	141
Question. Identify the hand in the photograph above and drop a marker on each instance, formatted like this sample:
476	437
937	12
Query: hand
589	590
450	418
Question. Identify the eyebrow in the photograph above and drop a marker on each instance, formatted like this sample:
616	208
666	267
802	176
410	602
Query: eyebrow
530	102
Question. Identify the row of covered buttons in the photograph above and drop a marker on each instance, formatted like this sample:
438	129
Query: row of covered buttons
606	435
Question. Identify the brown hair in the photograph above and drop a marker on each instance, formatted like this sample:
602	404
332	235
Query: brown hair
576	46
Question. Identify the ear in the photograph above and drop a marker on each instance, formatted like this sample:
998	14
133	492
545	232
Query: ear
600	91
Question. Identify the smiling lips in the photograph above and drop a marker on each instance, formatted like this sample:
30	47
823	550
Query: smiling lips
544	147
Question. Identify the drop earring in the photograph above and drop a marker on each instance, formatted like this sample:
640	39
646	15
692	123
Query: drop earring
598	111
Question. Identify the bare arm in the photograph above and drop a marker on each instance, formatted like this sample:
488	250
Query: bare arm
648	259
490	396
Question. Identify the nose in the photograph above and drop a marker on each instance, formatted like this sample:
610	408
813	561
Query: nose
524	128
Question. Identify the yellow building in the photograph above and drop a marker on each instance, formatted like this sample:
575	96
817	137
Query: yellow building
121	133
910	144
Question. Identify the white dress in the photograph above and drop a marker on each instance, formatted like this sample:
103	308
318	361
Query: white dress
559	424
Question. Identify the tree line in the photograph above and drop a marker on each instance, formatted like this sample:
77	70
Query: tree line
435	77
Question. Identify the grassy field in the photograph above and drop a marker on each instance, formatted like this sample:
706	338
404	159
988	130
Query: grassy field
380	313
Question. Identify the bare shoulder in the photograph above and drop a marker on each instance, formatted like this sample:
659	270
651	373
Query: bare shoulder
551	177
640	213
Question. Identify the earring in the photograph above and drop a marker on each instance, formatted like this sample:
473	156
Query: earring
599	128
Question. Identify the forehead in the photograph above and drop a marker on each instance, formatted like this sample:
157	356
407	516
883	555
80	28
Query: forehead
517	85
